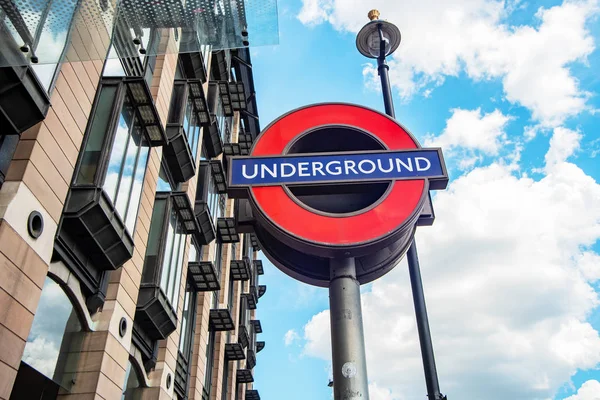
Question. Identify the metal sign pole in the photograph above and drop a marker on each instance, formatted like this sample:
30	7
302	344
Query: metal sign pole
414	270
347	336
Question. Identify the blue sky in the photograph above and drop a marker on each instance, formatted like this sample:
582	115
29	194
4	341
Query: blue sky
511	267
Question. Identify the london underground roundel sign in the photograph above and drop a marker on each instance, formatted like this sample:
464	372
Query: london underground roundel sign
336	180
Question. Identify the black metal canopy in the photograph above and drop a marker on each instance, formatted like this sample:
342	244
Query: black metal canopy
220	320
261	290
204	276
257	325
142	101
258	266
218	174
244	376
234	351
226	230
239	271
260	345
252	395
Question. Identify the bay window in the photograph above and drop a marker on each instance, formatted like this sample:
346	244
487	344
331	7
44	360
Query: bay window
188	113
186	338
95	233
172	220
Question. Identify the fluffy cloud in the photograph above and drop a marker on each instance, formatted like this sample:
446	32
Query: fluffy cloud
563	144
590	390
469	129
508	268
290	337
445	38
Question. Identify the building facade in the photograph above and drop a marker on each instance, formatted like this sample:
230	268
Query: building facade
122	272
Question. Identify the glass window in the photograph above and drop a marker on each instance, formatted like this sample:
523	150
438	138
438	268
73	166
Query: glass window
195	252
55	335
126	160
90	157
187	321
205	50
210	349
126	166
191	128
132	382
154	237
212	201
218	258
163	184
173	260
221	119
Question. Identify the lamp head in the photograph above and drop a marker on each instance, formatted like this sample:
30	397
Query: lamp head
368	40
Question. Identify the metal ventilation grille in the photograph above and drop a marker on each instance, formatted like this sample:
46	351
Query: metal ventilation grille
222	24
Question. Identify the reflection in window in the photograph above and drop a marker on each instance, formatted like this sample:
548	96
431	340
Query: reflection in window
212	201
195	251
218	258
209	351
203	153
54	339
173	260
163	184
189	309
93	147
191	127
126	166
205	50
222	120
132	382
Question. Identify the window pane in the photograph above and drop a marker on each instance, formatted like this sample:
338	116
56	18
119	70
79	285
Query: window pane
136	192
163	184
93	147
168	252
117	152
193	253
174	265
176	104
184	322
132	382
178	272
54	334
154	239
127	171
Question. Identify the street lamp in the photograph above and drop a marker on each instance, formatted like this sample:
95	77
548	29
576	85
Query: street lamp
378	39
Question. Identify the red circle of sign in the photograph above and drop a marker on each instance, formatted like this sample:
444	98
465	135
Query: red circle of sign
386	217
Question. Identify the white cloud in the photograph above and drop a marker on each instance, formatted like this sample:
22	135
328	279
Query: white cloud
563	144
590	390
471	130
290	337
378	393
42	355
507	269
446	38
